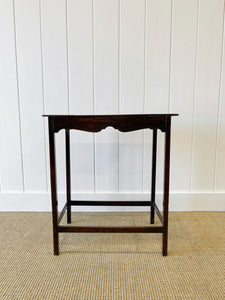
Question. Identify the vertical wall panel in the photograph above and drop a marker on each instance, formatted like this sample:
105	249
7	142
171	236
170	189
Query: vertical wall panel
220	155
132	22
80	60
106	91
108	57
10	147
30	91
207	93
53	17
184	36
158	25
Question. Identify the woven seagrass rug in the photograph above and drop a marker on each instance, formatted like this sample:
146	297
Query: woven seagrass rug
112	265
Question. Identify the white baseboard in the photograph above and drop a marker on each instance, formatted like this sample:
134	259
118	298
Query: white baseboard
179	201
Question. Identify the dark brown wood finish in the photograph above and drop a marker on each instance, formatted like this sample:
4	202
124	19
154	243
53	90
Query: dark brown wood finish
166	187
53	187
95	123
154	151
68	179
110	203
127	229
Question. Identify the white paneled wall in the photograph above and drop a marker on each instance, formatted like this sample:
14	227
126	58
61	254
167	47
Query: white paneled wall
110	57
80	87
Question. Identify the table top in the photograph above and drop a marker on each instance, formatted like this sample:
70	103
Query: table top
95	123
114	115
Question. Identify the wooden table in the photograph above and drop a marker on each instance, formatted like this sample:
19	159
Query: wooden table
124	123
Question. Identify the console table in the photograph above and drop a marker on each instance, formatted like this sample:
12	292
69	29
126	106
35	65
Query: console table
95	123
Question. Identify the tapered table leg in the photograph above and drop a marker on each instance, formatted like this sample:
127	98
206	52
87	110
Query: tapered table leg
68	180
53	187
166	188
154	151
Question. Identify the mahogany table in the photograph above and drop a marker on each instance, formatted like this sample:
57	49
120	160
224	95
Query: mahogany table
95	123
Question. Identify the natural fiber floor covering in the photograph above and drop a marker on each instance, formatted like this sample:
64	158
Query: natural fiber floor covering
112	265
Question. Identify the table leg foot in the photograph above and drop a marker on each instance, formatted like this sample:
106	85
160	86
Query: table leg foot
68	215
56	243
164	244
152	219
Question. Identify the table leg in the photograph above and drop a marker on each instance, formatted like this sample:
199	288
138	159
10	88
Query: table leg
53	188
154	151
166	188
68	180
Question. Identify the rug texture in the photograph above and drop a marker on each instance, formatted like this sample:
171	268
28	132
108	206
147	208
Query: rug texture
112	265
